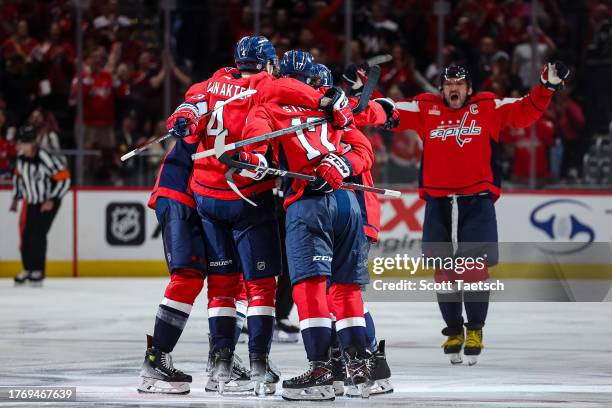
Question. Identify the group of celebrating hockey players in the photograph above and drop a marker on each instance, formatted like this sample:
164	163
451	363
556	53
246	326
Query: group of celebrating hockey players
219	222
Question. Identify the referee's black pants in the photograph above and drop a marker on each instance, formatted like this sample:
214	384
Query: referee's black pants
35	227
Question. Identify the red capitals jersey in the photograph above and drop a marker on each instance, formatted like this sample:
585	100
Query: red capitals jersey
302	151
208	173
460	146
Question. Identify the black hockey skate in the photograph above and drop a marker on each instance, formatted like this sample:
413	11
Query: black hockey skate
379	372
240	378
222	363
285	331
263	374
339	372
22	278
36	279
159	375
358	371
316	384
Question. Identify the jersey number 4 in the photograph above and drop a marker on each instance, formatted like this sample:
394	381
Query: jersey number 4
215	123
311	152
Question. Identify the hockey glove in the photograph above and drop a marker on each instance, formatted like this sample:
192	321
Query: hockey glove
184	120
554	75
355	77
331	172
336	104
252	158
393	115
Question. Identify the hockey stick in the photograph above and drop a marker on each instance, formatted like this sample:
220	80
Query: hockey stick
160	139
366	94
378	59
224	158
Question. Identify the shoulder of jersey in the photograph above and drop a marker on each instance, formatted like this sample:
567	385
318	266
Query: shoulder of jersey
426	97
483	97
230	72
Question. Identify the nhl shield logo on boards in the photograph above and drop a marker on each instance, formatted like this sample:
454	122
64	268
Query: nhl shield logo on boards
261	265
125	224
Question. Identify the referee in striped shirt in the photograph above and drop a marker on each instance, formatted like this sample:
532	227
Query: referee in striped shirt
41	180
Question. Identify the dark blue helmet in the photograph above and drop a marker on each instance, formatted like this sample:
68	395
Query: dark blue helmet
326	78
455	72
298	64
253	53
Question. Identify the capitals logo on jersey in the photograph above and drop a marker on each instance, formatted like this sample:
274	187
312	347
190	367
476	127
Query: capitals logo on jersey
457	130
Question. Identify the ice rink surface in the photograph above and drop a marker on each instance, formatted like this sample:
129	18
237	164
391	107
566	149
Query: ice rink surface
90	333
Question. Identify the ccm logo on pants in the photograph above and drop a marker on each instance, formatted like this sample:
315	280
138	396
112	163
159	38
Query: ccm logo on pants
322	258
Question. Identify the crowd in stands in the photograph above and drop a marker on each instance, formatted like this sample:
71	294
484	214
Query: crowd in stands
125	69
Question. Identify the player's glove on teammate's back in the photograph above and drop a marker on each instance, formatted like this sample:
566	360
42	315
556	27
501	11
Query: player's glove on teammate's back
331	172
256	159
337	106
553	75
184	120
393	115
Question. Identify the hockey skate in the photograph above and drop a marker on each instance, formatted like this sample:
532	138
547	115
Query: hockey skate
222	363
22	278
339	372
36	279
264	375
358	372
159	375
285	331
473	345
452	346
316	384
240	378
379	372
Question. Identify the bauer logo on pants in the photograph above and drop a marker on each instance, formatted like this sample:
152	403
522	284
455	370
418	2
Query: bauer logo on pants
125	224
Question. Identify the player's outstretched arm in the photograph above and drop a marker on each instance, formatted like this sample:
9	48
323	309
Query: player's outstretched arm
524	111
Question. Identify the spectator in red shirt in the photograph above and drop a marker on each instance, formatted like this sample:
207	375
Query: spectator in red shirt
98	98
7	151
569	120
20	43
56	57
519	144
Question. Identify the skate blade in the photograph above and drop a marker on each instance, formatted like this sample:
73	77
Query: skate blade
339	388
232	386
381	387
284	337
155	386
363	390
472	360
317	393
261	389
455	358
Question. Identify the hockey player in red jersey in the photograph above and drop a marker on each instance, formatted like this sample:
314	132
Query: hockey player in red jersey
460	180
380	112
238	236
324	235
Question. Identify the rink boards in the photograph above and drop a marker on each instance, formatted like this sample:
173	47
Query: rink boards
112	232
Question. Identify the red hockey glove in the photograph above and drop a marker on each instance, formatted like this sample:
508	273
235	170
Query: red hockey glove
336	104
184	120
252	158
393	115
554	75
331	172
